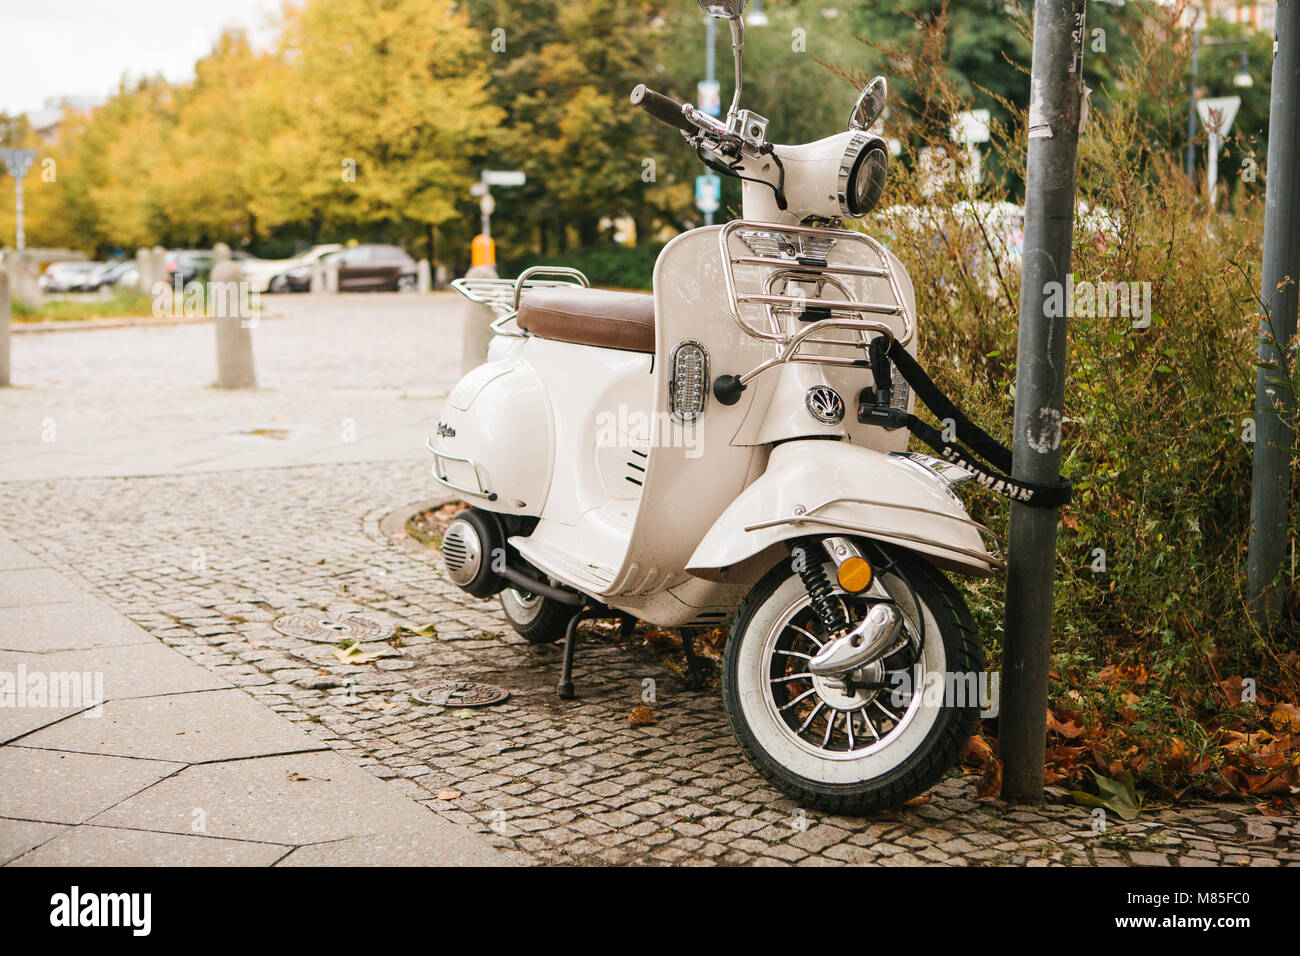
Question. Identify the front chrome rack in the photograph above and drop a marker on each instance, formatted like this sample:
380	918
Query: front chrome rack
800	254
502	295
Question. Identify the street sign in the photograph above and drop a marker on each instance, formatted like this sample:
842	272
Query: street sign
503	177
708	192
18	161
709	93
478	189
1218	112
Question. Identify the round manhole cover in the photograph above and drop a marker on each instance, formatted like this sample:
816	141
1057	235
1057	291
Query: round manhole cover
462	693
331	630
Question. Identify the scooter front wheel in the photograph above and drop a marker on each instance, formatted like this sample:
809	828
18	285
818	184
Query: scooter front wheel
889	732
537	619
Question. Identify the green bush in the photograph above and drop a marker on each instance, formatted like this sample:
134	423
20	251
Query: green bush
620	267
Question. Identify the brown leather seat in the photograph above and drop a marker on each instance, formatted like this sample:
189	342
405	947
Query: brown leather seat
612	320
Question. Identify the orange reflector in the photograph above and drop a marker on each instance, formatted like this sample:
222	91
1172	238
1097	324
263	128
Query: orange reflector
854	575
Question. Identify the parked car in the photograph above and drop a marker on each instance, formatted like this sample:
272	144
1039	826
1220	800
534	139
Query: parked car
365	268
267	275
186	264
106	276
66	276
190	263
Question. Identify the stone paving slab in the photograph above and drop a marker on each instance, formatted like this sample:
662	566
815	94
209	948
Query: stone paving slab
25	587
55	787
17	722
67	625
19	836
188	728
130	670
14	558
300	799
110	846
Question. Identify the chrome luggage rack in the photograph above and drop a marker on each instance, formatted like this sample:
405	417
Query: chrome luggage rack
502	295
800	254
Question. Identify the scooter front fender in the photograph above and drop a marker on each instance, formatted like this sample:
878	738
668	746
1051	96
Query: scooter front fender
833	487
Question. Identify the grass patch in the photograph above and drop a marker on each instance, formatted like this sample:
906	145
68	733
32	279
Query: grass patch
121	304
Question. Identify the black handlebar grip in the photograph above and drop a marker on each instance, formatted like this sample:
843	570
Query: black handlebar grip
663	108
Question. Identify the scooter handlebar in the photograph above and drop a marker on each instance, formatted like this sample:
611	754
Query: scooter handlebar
663	108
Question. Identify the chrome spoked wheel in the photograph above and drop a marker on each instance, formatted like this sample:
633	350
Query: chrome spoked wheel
840	720
863	741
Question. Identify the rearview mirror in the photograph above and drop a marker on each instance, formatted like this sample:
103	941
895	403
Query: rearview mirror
724	9
870	104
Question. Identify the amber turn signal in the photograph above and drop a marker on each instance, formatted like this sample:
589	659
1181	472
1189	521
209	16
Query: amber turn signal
854	575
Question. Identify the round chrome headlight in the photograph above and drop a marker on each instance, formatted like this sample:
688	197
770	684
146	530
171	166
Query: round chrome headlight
861	175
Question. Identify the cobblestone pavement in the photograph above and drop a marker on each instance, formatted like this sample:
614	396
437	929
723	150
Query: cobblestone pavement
206	562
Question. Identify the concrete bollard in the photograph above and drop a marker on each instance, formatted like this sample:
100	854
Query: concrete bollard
317	276
220	254
475	328
441	277
6	307
331	277
234	340
25	281
423	276
158	268
144	271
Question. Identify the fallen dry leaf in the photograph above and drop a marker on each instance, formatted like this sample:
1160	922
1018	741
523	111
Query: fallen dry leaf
641	716
449	795
989	786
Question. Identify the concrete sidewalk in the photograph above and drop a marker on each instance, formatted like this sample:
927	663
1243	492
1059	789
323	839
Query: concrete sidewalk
117	750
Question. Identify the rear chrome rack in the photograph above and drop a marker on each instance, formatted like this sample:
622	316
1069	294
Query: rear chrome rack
440	458
800	254
502	295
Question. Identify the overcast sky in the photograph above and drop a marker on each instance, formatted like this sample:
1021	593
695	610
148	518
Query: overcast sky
82	47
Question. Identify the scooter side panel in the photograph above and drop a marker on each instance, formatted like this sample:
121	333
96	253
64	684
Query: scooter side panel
693	472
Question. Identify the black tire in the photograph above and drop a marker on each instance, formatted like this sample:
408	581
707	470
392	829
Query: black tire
537	619
920	763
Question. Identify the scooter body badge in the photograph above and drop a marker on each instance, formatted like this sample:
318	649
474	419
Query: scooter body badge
825	405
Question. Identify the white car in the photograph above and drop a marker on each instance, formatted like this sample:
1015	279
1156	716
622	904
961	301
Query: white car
263	273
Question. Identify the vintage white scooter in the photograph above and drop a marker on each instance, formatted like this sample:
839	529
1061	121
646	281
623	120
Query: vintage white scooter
686	459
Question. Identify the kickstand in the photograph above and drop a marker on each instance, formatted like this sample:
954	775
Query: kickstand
694	679
565	688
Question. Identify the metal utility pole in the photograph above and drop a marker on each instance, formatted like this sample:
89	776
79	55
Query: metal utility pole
1056	97
1274	404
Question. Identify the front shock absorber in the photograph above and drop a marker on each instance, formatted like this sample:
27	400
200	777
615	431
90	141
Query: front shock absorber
808	565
